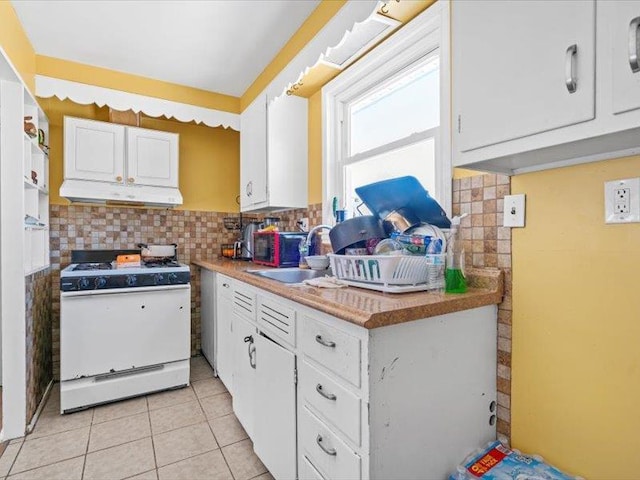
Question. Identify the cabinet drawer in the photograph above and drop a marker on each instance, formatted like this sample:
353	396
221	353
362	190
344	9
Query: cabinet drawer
277	319
333	458
244	302
337	405
224	286
308	471
333	349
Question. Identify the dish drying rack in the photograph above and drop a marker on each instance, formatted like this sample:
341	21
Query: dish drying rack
390	273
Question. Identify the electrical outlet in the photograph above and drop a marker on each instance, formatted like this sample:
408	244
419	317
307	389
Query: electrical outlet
303	223
513	215
622	201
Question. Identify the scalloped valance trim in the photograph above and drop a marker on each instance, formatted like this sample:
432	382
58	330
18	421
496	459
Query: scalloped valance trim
84	94
331	35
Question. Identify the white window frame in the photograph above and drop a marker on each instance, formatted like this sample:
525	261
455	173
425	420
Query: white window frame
416	40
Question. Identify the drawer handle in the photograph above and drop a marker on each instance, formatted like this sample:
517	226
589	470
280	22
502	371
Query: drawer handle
633	45
328	396
326	343
570	69
328	451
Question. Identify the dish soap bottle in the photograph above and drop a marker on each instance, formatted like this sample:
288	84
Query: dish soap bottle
455	281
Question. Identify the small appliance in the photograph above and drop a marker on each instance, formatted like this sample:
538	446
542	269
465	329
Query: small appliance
247	246
277	249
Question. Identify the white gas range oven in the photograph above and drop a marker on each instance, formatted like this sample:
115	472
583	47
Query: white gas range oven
123	331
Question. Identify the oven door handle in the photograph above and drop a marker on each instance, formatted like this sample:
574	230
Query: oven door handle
115	291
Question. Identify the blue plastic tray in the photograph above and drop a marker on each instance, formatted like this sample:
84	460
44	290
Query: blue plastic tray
384	197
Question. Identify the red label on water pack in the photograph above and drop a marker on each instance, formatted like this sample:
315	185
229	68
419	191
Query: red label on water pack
492	458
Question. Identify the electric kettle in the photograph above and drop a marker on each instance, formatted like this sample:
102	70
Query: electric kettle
247	239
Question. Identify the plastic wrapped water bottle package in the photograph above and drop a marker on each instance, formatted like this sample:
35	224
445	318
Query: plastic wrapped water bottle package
497	462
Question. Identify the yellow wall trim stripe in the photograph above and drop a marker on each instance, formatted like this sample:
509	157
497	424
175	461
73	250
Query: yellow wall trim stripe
102	77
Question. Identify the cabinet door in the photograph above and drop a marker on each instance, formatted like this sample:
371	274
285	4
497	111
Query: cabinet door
625	42
152	158
253	153
93	150
512	63
287	147
275	415
244	373
208	315
224	342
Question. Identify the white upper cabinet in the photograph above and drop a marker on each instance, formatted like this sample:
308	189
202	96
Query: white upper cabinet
93	150
253	154
274	154
152	157
110	162
521	68
539	85
624	31
96	151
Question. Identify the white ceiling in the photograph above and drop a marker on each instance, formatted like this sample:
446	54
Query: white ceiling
221	46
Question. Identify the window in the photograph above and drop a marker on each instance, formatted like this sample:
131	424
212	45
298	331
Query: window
382	117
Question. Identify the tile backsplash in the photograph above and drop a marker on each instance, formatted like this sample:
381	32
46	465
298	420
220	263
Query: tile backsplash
488	244
39	366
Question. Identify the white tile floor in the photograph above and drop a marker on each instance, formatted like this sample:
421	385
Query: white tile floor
188	434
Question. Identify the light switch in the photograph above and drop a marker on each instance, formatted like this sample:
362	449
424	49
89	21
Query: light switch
514	210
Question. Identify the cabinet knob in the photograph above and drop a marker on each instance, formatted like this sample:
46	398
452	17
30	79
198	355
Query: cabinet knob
119	178
130	179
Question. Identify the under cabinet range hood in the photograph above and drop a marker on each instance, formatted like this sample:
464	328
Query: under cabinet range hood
85	191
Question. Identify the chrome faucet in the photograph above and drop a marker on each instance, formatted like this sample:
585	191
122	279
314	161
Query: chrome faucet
314	230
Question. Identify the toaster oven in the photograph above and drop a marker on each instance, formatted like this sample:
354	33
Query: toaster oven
277	249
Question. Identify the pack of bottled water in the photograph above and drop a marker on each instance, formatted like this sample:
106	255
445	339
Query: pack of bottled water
498	462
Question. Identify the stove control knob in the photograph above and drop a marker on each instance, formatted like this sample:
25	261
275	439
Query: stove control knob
101	282
158	279
83	283
173	278
131	280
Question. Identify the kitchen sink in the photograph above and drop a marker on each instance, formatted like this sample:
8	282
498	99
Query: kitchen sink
291	275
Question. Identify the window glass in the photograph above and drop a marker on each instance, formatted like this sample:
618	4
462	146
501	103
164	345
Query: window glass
417	159
406	104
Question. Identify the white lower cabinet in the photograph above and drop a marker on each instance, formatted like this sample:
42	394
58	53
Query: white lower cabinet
244	373
330	455
275	408
338	406
335	401
224	332
308	471
208	315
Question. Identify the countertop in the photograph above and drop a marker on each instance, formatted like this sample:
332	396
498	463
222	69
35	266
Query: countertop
366	308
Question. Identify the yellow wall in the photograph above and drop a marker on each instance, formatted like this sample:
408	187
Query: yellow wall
315	148
209	166
463	172
16	45
576	324
102	77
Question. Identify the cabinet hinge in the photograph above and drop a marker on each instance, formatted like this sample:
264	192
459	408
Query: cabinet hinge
459	123
295	376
